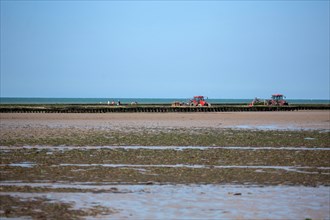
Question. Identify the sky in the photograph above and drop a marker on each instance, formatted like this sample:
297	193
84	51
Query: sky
165	49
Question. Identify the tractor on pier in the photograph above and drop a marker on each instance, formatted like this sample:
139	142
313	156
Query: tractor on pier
257	101
199	101
277	100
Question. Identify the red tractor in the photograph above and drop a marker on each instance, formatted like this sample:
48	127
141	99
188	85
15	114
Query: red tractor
199	101
277	99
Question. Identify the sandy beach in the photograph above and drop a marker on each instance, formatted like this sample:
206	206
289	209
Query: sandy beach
271	120
80	129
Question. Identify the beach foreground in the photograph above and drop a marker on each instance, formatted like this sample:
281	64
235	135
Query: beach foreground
183	158
272	120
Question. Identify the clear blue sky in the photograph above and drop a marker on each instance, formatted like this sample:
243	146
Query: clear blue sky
221	49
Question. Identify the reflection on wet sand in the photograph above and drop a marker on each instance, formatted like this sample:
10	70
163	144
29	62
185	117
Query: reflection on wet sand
145	182
195	201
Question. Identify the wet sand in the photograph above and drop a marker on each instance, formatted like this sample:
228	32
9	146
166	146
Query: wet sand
86	165
177	183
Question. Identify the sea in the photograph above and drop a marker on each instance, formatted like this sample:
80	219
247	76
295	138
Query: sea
17	100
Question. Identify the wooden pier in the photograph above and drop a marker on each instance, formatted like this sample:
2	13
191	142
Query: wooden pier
88	108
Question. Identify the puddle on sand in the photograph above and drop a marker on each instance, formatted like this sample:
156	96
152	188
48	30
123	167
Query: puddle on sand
309	138
140	167
201	201
23	164
266	127
200	166
278	127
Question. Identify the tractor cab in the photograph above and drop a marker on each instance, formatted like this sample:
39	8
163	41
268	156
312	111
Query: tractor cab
278	99
199	101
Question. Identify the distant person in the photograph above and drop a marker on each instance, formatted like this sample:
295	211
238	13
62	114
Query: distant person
118	102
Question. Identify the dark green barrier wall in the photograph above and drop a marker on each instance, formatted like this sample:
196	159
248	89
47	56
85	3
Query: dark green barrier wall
151	108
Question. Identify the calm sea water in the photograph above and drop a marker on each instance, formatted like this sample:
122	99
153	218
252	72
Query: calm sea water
5	100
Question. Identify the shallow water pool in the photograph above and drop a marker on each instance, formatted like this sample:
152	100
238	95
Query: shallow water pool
199	201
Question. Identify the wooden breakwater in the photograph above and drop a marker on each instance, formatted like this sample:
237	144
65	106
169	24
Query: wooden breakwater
84	108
